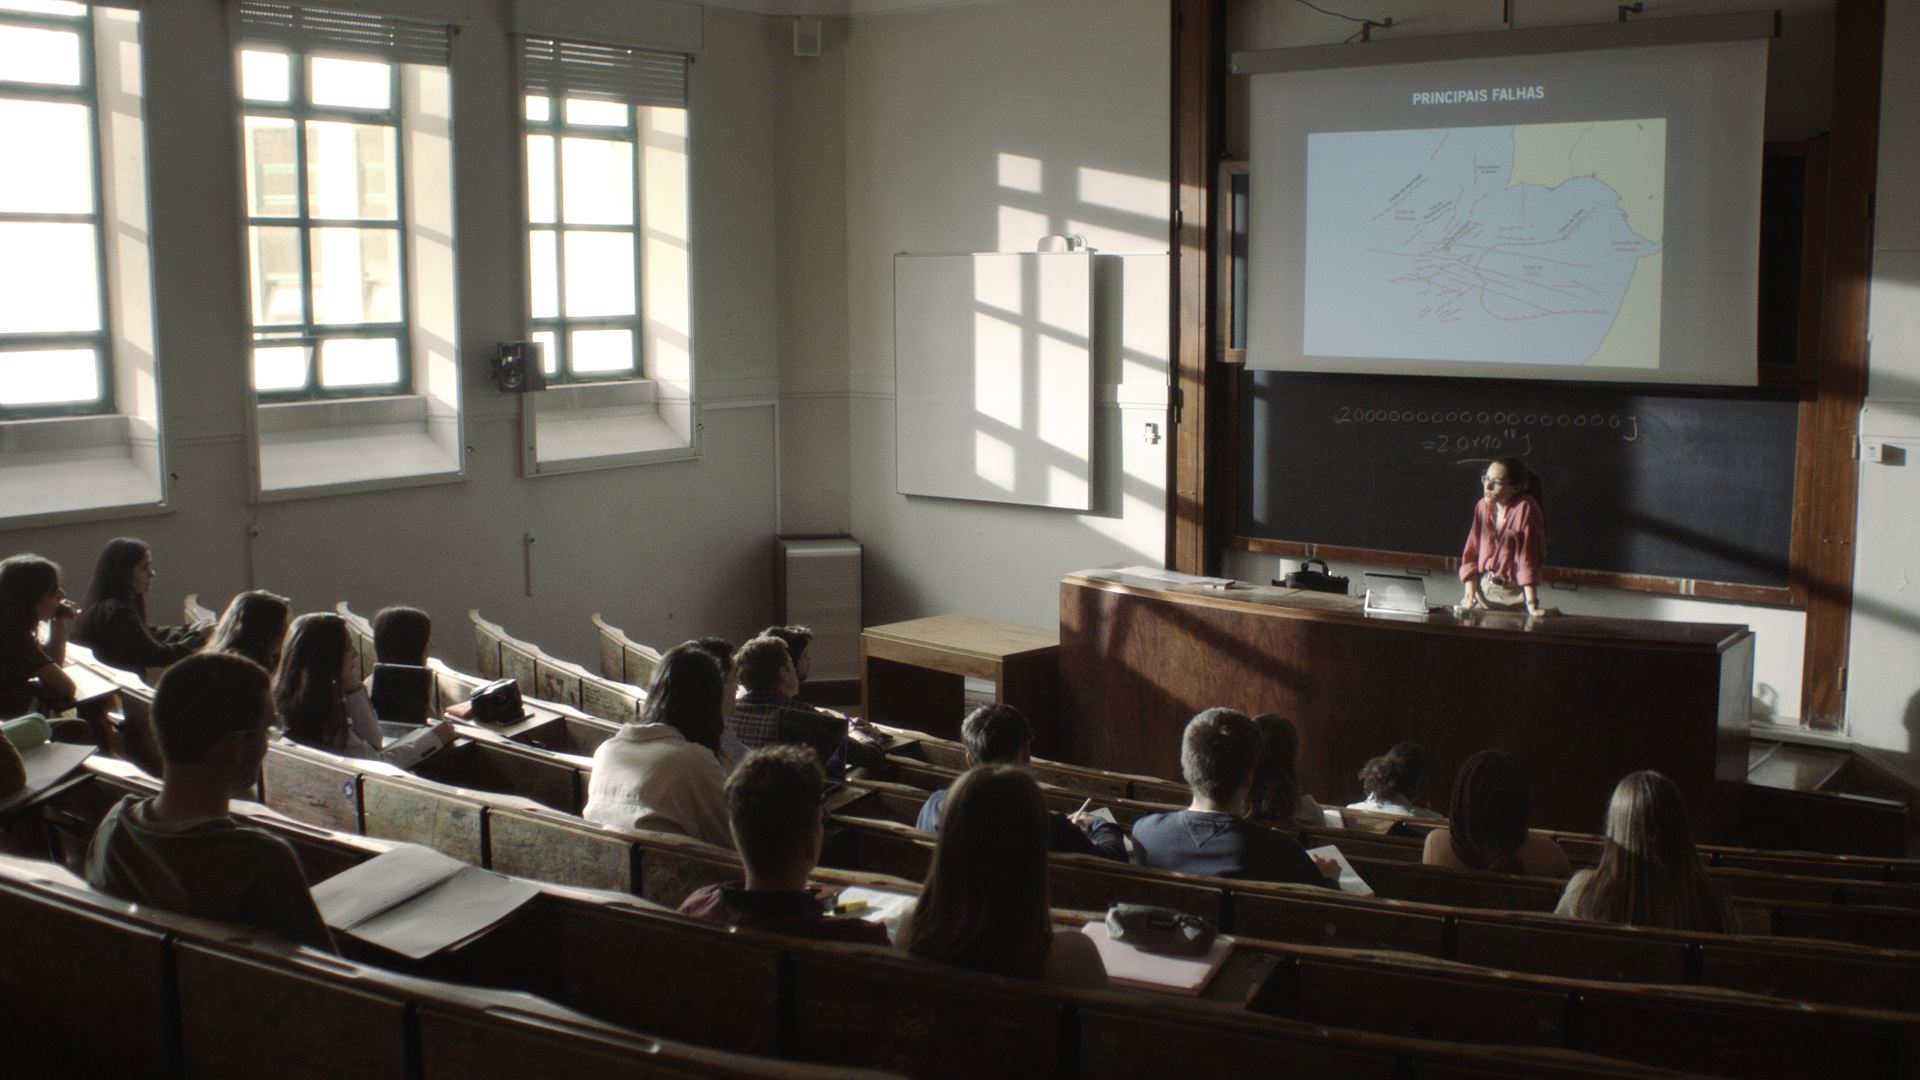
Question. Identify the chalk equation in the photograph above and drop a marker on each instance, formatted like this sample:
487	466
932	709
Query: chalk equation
1513	422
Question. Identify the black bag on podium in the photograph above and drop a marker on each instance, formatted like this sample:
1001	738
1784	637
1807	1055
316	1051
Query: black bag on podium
1321	580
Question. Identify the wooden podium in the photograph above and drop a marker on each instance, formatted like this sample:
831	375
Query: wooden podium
1581	701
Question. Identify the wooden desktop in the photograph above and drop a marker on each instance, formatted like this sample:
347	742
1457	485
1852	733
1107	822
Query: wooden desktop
1580	700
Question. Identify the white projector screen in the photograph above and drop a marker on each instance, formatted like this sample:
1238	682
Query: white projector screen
1570	215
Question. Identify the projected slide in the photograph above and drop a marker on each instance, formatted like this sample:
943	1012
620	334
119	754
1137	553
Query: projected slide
1516	244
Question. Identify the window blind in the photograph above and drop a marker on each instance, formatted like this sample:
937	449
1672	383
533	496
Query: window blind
576	69
311	29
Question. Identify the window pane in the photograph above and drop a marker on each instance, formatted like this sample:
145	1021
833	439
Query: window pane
49	376
51	147
280	367
359	362
356	275
265	76
44	7
539	109
49	278
596	177
549	355
272	170
274	261
540	179
599	273
598	352
546	273
589	113
30	54
350	171
350	84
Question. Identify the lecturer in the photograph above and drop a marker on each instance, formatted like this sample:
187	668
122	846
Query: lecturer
1507	545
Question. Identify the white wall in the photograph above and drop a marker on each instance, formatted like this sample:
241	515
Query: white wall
1883	691
981	128
667	551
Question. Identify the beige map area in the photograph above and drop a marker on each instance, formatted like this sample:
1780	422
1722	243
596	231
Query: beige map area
1629	156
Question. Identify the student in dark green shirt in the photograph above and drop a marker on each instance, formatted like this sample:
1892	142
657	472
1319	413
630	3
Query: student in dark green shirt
180	850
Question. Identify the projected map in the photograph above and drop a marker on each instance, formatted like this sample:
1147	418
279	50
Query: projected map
1523	244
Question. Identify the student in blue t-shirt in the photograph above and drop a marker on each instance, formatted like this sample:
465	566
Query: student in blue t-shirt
1217	755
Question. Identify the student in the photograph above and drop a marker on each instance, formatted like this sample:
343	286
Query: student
322	704
254	626
1507	542
797	640
999	735
774	806
401	686
1650	872
179	849
1276	786
30	594
768	712
113	620
402	635
1487	824
863	748
985	905
664	773
1393	780
1217	754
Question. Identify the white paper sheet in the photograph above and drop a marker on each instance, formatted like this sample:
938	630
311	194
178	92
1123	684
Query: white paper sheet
1350	880
883	906
415	901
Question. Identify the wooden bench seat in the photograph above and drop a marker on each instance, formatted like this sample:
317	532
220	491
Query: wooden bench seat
1309	983
502	656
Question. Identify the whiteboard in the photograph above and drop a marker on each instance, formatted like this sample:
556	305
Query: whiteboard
993	377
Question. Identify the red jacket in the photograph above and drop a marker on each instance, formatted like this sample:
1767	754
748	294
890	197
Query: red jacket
1513	552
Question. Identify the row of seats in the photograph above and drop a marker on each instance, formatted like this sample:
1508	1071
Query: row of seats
507	832
860	1006
96	986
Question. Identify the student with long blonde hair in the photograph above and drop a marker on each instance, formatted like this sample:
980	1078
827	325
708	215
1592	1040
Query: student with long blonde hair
1650	873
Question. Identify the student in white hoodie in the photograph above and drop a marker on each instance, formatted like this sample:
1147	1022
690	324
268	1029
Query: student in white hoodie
664	773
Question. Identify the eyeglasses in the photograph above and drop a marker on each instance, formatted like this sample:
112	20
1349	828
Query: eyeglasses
1497	481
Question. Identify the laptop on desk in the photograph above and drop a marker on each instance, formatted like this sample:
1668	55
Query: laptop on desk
1395	594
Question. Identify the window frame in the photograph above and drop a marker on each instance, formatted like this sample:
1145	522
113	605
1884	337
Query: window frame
562	326
86	94
308	333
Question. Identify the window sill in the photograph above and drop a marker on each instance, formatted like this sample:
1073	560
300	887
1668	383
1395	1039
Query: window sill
76	468
316	448
609	425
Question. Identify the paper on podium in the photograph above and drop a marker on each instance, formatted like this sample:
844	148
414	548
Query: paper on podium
1128	966
415	901
1350	880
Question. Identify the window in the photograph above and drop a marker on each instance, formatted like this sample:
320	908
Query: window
346	128
608	252
55	345
583	210
325	247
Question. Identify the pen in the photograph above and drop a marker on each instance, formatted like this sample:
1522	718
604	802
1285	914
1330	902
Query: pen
1083	807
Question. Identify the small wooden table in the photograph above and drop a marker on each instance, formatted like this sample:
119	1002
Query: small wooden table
913	674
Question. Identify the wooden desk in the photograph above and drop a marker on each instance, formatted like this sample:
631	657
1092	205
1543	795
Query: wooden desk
913	674
1581	701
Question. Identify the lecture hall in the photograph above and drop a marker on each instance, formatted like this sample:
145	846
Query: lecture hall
953	538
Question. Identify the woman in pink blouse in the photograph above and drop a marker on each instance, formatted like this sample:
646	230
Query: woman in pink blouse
1507	546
